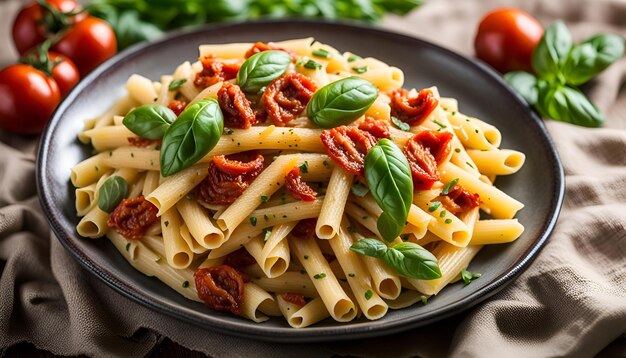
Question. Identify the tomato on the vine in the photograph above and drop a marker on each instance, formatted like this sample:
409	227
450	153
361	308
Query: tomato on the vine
33	23
27	99
87	43
506	39
64	72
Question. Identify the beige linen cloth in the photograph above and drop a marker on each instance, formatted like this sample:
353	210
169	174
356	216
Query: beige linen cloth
570	302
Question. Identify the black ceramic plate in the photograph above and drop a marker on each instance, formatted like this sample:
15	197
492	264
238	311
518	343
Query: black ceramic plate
480	92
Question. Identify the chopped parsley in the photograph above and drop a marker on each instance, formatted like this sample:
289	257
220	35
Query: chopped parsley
439	124
127	246
318	276
368	294
468	277
230	131
458	150
185	284
304	168
312	65
174	85
404	237
353	58
425	300
263	198
469	165
268	232
360	70
253	220
442	213
449	186
401	125
359	189
167	223
351	274
448	221
435	205
306	257
352	229
325	163
189	196
320	52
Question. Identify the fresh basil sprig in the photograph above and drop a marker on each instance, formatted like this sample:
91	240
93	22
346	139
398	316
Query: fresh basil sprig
560	67
261	69
112	191
407	258
149	121
196	131
341	102
389	179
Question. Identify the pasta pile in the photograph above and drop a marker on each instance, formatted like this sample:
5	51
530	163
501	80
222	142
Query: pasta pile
306	277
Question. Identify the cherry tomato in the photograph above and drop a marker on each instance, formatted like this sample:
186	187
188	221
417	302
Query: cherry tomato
27	99
506	39
29	29
64	73
88	43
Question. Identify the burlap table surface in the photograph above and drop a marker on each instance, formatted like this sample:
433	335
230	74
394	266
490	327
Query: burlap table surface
570	302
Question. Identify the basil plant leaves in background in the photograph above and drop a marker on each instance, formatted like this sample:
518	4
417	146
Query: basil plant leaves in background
140	20
560	67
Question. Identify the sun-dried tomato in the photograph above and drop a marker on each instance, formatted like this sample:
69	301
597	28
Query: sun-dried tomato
143	142
235	106
424	151
223	186
239	259
437	143
214	71
295	298
262	46
220	287
412	110
376	127
287	96
304	229
460	200
298	188
132	217
348	146
177	106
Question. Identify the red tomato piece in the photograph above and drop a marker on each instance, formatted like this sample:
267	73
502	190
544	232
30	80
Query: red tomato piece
506	39
27	99
235	106
220	287
412	110
287	96
88	43
132	217
298	188
347	146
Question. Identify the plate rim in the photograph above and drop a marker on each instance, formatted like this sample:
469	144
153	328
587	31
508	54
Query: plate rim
309	334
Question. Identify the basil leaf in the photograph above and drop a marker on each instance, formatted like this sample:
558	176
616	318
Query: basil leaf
195	132
370	247
341	102
413	261
112	191
568	104
149	121
525	84
552	50
389	178
592	57
130	29
261	69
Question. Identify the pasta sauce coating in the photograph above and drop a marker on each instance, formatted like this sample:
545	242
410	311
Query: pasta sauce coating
132	217
348	146
239	259
287	96
295	298
298	188
214	71
177	106
220	287
235	106
304	229
143	142
424	152
228	179
412	110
